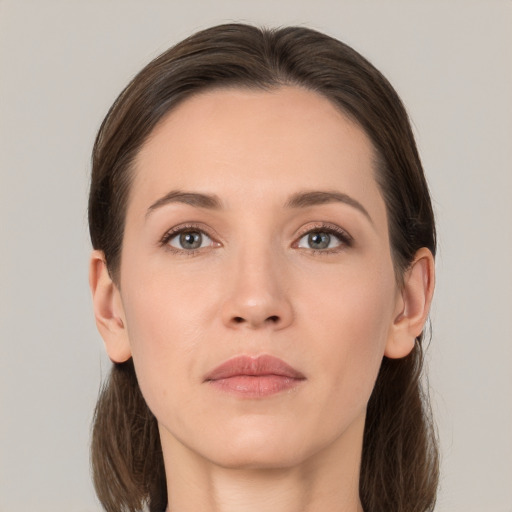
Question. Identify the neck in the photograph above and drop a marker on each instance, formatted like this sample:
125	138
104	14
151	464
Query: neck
328	481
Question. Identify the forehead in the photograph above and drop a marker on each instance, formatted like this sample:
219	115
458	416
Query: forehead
252	142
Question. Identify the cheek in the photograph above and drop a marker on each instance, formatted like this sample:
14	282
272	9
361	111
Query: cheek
163	307
162	321
352	319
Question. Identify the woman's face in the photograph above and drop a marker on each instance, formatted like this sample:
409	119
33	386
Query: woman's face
255	228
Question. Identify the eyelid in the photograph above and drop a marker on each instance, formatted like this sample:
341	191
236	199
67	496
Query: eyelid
188	226
346	240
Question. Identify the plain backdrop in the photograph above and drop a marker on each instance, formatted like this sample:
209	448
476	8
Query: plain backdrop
62	63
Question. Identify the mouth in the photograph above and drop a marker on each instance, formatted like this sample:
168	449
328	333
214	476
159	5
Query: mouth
254	377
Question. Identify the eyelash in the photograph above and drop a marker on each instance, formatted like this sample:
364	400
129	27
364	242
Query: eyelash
178	230
343	237
331	229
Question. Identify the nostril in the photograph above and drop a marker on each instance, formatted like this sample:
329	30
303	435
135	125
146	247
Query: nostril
272	319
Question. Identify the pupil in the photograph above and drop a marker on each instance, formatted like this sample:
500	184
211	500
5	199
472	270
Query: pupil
191	240
319	240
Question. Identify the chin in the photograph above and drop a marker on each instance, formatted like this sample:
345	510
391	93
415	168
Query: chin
257	458
261	447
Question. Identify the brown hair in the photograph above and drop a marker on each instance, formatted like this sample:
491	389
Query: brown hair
399	469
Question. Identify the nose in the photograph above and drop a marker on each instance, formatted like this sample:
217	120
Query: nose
257	293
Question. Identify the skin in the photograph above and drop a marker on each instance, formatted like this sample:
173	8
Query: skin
256	286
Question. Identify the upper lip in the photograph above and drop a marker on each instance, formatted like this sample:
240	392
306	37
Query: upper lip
253	366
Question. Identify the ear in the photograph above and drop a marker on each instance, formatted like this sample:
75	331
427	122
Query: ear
108	309
413	305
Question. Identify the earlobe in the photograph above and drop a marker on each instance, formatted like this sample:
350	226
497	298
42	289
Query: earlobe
108	309
413	305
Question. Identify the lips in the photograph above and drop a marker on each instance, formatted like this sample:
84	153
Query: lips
254	376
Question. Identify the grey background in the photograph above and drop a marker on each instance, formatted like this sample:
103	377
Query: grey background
62	63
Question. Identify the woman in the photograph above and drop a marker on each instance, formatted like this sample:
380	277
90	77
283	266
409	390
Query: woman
262	271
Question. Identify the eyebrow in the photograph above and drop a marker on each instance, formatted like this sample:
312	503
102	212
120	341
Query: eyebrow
191	198
305	199
298	200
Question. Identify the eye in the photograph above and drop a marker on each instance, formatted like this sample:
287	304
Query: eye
324	239
318	240
189	240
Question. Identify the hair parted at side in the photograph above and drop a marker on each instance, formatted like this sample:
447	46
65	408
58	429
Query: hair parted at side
399	470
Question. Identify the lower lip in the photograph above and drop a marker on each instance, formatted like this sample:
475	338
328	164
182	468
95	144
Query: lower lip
252	386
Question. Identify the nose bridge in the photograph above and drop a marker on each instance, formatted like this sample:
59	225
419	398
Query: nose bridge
257	289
